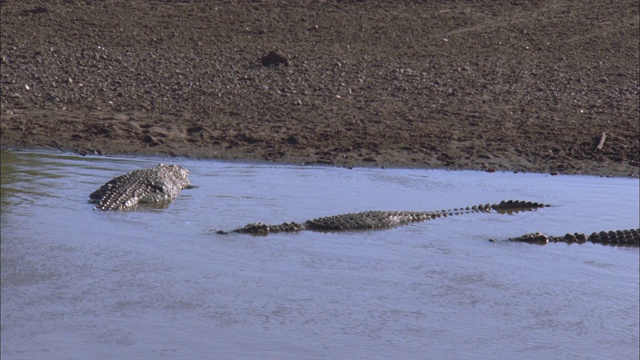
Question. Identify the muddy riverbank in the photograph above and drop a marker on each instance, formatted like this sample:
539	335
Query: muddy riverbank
465	85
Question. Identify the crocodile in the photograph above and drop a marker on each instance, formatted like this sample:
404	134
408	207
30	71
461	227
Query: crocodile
161	184
383	219
157	185
629	237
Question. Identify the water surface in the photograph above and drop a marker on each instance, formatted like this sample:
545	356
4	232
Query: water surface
161	283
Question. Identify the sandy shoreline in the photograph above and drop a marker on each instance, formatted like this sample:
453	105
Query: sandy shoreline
397	84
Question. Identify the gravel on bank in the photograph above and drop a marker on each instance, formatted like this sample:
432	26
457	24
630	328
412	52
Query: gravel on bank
465	85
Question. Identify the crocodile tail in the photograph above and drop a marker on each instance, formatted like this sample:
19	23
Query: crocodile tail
629	237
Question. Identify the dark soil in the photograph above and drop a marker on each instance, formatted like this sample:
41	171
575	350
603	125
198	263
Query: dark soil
504	85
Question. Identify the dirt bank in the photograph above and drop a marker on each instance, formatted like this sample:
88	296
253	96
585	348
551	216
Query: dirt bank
503	85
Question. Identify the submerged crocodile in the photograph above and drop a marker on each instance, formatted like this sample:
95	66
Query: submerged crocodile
629	237
162	183
157	185
383	219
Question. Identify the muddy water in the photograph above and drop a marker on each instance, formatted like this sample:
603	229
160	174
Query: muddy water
162	284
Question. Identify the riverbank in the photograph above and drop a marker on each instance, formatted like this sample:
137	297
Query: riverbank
464	85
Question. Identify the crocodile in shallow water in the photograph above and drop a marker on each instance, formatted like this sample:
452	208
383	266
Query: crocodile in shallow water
383	219
629	237
157	185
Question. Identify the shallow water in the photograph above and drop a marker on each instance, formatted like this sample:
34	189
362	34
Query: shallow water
161	283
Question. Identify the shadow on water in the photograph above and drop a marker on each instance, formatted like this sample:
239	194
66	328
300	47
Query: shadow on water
160	283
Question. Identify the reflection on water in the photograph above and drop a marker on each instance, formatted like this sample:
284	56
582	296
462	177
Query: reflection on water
160	283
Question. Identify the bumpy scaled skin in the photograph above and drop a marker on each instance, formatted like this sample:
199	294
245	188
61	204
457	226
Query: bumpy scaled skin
159	184
629	237
383	219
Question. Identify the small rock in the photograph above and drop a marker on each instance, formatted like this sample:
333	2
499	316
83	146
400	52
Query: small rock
292	140
194	129
36	10
275	58
152	141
